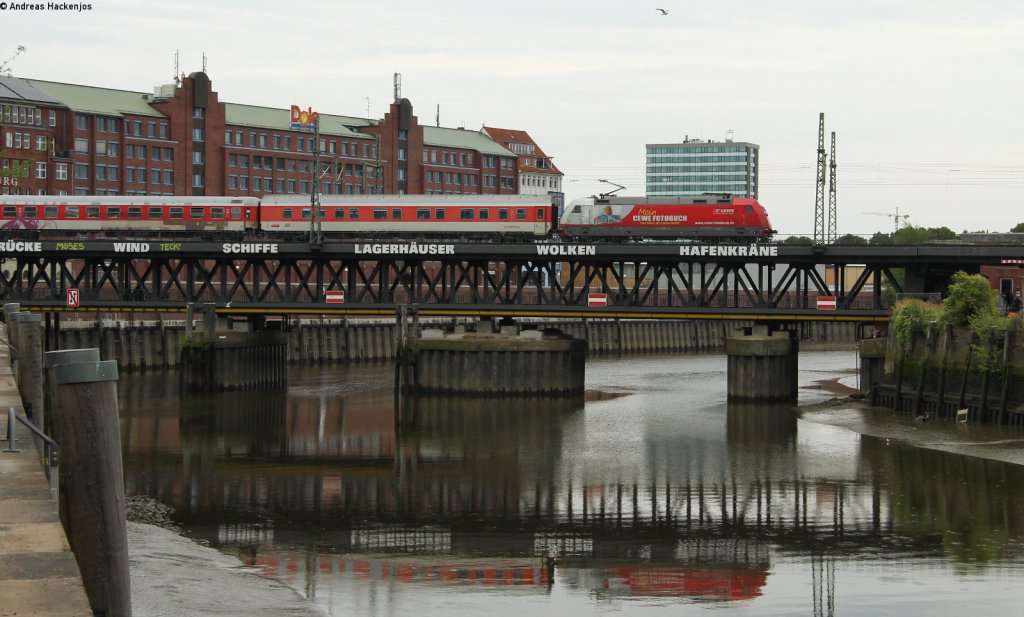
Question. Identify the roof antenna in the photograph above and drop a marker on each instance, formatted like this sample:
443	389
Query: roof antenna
437	118
603	195
177	82
398	87
204	61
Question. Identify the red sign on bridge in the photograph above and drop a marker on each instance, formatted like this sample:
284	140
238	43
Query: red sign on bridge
74	297
826	303
334	297
596	299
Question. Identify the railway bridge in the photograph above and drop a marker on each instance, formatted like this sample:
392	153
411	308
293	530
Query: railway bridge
631	280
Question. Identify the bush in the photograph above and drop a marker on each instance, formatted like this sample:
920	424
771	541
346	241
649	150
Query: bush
969	296
990	331
910	318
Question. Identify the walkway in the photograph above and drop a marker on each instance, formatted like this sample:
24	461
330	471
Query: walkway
38	573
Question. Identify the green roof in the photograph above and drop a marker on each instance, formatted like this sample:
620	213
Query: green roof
100	101
280	119
461	138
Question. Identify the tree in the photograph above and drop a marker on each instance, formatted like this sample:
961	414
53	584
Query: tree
798	241
851	240
5	66
1018	228
970	296
910	236
880	239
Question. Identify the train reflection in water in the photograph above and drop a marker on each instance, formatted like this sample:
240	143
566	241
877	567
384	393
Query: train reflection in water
325	487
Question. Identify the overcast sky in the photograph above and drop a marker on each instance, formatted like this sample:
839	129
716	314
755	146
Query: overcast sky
925	96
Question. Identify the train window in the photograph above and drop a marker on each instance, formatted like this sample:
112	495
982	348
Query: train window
286	214
339	213
135	213
540	214
50	212
502	214
155	213
466	214
236	213
113	212
31	212
195	213
520	214
439	214
484	214
176	213
380	213
396	214
92	212
216	213
307	213
577	209
10	212
71	212
353	213
423	214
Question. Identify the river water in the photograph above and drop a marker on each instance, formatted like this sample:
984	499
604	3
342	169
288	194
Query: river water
650	494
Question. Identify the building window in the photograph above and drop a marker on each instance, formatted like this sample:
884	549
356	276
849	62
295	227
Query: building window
41	170
402	154
197	181
152	130
198	134
81	145
62	171
81	171
168	176
81	122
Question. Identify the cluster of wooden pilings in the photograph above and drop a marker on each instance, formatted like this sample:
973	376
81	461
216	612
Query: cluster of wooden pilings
948	370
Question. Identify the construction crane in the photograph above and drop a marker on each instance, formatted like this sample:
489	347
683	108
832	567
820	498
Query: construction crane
896	217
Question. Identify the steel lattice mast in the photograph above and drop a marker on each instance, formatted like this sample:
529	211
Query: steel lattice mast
819	196
316	234
832	192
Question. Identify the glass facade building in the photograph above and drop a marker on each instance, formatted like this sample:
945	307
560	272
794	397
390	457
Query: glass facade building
696	166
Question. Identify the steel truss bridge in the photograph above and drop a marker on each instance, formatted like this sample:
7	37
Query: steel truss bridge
642	280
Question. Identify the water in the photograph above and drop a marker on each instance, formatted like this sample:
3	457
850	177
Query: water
651	495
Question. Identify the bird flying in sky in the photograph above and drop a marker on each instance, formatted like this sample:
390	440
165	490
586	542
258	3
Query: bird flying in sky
663	11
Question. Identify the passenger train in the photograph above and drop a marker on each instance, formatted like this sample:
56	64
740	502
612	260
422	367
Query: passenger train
470	217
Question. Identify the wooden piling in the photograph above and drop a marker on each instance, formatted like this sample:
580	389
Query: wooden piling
30	367
91	450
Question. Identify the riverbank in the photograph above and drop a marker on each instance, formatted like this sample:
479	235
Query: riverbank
173	576
849	411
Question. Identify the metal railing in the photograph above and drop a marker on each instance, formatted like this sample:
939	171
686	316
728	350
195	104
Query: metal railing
52	449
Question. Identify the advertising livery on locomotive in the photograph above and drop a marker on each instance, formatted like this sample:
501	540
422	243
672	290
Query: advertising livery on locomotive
469	217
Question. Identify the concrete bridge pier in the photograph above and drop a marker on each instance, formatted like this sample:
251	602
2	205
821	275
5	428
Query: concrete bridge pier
762	365
217	359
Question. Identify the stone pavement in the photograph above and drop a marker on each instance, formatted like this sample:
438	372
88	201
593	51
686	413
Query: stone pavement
38	573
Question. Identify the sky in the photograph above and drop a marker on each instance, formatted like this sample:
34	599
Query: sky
924	95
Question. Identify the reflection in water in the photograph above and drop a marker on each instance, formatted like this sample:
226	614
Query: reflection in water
663	494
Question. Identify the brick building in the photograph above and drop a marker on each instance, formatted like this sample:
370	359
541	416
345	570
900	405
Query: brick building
183	140
537	173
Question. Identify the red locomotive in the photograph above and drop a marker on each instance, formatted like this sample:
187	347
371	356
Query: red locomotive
707	217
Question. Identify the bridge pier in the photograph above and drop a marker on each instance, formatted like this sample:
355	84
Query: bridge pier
220	359
528	363
762	365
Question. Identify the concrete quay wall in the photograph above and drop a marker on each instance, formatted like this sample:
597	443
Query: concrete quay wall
157	345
